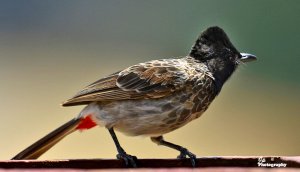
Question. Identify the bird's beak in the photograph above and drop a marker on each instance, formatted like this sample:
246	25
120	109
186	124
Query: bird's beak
247	57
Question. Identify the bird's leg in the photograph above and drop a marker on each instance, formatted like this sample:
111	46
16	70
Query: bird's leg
184	153
129	159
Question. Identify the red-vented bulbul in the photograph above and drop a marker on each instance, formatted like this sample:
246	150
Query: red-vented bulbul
152	98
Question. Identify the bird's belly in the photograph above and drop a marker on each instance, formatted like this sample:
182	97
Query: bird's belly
151	117
146	117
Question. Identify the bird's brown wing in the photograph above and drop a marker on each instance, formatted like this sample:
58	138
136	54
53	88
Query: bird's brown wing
153	79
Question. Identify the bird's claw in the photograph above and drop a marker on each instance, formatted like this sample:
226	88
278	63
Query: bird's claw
130	160
184	153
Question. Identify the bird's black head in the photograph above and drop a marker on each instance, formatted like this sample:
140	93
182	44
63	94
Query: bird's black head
214	48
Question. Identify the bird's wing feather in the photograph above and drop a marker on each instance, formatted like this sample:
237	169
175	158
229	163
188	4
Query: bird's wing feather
154	79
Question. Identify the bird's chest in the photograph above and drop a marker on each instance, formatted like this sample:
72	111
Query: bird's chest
193	101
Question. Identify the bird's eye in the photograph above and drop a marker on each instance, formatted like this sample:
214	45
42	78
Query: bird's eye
205	48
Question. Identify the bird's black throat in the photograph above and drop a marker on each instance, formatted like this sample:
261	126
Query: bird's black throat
221	71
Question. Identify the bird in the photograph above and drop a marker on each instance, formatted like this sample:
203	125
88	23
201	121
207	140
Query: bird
152	98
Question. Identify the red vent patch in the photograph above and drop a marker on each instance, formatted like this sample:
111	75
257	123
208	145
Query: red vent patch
86	123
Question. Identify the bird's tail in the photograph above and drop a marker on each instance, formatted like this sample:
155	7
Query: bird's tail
44	144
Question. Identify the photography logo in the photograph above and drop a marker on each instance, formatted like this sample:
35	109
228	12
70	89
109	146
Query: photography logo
269	162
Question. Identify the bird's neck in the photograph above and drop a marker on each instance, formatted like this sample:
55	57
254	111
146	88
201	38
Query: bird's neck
221	71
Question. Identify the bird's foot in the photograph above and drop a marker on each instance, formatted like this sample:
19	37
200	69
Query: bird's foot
184	153
130	160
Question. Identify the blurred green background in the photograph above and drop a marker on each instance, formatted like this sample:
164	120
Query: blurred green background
49	50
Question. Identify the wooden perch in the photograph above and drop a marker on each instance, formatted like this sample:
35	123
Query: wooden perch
243	162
